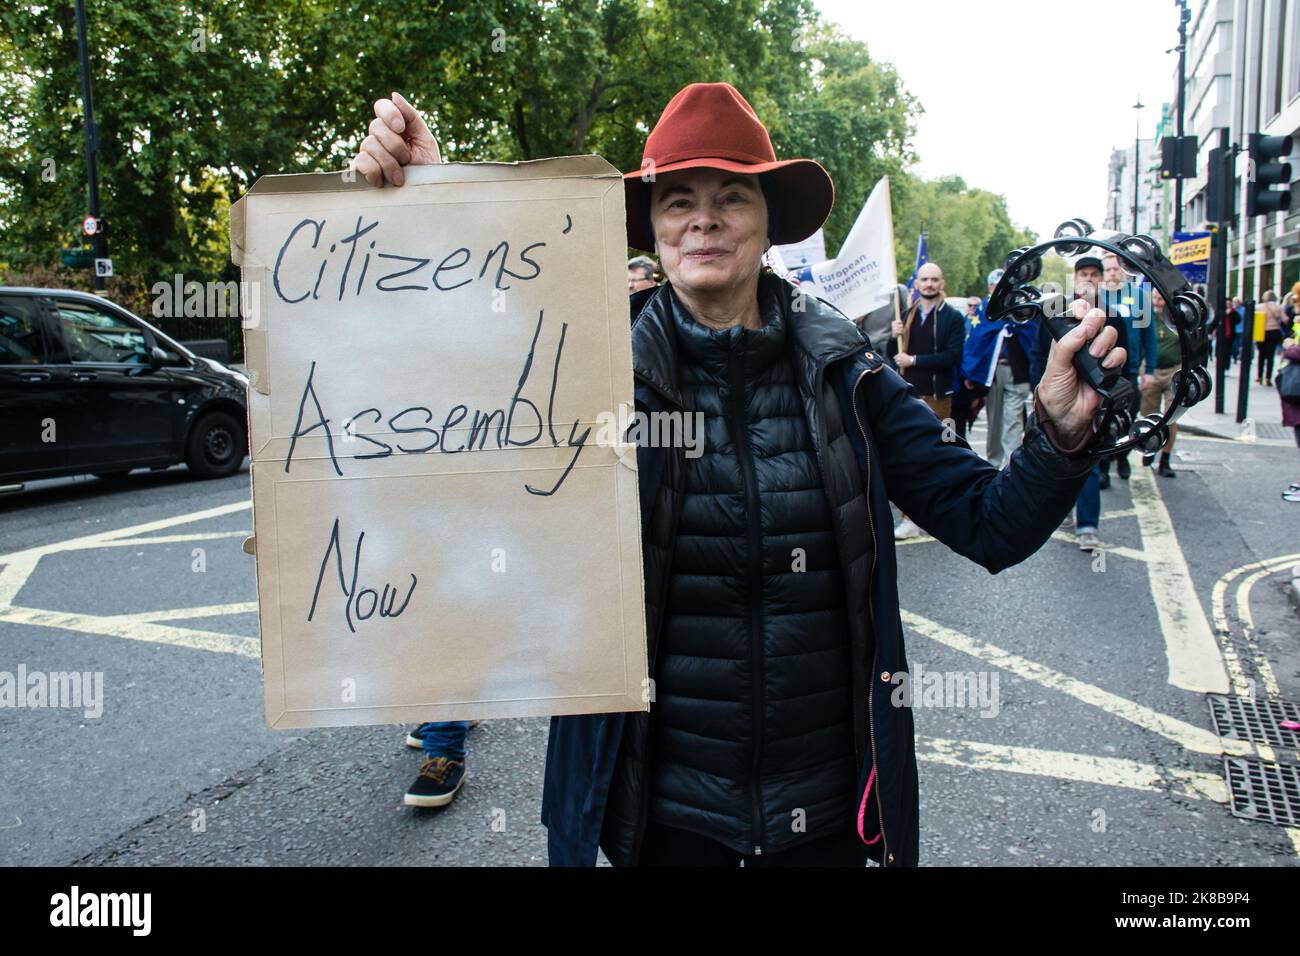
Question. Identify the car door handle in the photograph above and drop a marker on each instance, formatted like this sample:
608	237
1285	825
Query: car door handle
34	376
84	376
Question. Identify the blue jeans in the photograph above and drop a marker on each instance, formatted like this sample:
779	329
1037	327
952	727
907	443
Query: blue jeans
1087	510
444	739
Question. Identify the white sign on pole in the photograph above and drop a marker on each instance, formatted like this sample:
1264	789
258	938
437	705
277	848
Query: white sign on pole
862	278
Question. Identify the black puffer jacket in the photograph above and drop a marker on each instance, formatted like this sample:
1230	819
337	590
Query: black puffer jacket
754	737
874	441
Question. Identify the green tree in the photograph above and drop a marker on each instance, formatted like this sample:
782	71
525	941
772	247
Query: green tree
196	100
968	231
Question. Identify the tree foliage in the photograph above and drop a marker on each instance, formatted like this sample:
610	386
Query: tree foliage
968	231
197	99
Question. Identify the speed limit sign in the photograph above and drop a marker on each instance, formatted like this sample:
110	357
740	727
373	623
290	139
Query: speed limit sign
90	225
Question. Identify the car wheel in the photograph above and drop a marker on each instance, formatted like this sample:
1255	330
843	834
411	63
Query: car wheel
216	447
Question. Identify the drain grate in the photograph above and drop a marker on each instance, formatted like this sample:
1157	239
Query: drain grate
1267	792
1255	719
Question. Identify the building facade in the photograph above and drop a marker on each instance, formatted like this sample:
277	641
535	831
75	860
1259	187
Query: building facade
1242	77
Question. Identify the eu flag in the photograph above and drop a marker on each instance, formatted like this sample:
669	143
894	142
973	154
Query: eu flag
921	259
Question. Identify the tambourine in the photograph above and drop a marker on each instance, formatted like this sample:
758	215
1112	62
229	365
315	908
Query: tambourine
1186	313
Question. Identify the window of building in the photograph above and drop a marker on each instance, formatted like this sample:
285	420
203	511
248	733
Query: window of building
1292	27
1277	55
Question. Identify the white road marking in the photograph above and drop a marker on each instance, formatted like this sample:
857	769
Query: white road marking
1115	549
92	540
16	567
1081	768
1195	739
171	539
135	629
183	613
1262	442
1193	655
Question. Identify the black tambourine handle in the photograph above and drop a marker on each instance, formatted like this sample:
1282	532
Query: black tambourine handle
1086	364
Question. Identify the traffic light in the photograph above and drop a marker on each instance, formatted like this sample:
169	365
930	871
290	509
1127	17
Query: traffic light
1266	172
1220	186
1178	157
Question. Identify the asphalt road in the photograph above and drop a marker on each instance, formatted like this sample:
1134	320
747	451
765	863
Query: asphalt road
1086	755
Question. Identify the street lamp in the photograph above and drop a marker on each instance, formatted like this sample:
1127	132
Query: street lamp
1137	162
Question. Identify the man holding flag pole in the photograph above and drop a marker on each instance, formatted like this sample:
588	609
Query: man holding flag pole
922	257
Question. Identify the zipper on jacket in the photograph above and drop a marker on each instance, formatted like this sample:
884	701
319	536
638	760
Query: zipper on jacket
754	572
871	677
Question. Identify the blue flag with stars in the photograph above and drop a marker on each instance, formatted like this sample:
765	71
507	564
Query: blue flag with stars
921	259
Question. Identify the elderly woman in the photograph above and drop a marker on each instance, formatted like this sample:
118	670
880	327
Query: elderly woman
775	640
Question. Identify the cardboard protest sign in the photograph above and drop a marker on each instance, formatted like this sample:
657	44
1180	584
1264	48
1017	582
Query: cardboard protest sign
442	530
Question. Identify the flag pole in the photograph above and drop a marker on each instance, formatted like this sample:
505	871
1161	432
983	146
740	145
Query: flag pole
897	316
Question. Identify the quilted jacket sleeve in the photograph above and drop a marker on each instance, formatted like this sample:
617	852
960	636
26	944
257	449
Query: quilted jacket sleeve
995	518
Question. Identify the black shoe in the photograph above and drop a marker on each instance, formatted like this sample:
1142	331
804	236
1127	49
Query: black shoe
437	784
1122	468
1148	460
1105	480
1164	471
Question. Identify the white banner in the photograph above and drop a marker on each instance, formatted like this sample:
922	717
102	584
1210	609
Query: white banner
863	276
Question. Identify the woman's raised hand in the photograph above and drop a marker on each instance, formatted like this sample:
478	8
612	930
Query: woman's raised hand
398	137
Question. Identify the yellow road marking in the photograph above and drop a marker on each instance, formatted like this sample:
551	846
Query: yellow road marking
1193	655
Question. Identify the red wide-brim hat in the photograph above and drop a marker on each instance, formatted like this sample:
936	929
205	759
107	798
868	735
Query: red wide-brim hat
711	125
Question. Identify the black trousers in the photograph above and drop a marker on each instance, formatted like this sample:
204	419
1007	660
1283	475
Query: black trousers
1267	351
671	846
963	399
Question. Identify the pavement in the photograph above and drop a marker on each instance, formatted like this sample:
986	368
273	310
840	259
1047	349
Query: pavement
1094	745
1263	418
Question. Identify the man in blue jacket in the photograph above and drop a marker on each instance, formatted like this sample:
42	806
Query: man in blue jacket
997	357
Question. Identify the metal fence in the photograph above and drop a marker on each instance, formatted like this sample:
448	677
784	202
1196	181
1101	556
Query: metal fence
202	328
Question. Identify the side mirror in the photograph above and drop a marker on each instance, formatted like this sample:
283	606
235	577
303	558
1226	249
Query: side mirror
157	358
